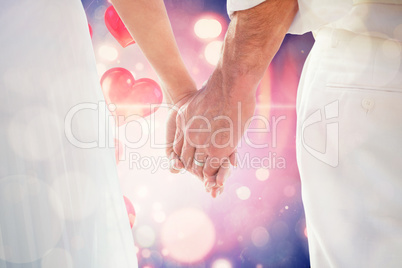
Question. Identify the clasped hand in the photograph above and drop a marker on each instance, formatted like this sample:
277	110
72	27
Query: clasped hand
203	133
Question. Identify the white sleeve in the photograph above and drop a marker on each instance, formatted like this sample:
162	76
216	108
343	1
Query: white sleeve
311	14
236	5
314	14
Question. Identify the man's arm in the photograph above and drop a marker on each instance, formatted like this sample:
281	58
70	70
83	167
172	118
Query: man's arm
253	38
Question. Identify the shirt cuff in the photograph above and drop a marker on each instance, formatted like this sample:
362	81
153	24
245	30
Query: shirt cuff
236	5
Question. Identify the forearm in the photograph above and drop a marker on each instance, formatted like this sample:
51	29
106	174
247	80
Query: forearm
148	23
253	38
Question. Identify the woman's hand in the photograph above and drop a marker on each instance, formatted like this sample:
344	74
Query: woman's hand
175	164
209	126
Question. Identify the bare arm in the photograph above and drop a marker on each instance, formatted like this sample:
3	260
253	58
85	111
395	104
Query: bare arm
148	23
252	40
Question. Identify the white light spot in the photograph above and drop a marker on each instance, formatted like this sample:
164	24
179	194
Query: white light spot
142	192
165	252
262	174
139	66
157	206
207	28
243	193
159	216
188	235
108	53
212	52
145	236
221	263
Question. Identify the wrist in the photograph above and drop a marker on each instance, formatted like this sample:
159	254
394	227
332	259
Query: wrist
235	84
175	90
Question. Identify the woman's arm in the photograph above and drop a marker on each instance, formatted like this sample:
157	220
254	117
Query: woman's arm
148	23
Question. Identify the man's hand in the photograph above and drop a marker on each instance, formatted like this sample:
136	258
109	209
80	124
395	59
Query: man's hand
211	123
209	127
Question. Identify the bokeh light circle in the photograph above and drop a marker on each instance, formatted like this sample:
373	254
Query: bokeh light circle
260	236
142	192
159	216
108	53
221	263
243	192
139	66
157	206
289	191
262	174
188	235
212	52
145	236
207	28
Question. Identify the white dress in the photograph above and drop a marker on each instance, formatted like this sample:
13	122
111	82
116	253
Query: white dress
349	130
60	203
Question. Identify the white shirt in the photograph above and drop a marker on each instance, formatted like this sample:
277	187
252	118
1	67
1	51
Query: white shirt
331	203
373	17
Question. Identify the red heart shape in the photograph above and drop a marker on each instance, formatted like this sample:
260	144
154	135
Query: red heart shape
90	29
131	97
117	28
130	211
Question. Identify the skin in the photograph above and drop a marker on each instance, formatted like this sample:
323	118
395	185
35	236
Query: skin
150	28
252	40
